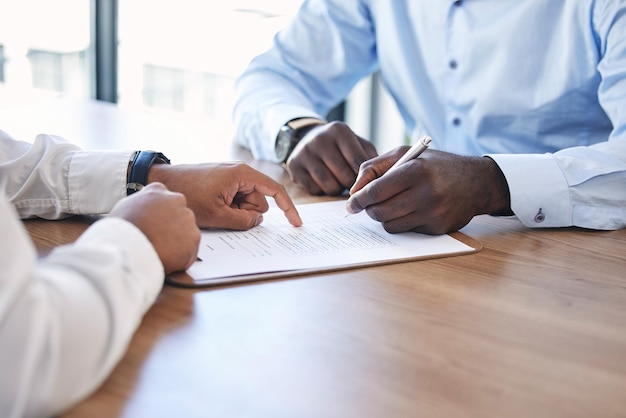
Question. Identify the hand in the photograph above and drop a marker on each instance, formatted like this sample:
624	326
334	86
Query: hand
436	193
327	159
225	195
166	221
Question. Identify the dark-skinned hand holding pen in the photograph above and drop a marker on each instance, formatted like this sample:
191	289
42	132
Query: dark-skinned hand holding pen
437	193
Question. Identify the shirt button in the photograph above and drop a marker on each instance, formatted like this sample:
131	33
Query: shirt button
456	121
453	64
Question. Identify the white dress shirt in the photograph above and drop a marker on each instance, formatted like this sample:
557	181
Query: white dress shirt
66	319
538	85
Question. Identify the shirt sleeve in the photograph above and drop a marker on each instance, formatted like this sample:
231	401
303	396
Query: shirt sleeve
66	320
52	178
296	78
581	186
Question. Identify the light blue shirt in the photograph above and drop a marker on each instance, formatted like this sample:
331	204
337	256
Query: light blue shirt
538	85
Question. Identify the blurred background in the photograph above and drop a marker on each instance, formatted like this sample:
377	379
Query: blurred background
173	57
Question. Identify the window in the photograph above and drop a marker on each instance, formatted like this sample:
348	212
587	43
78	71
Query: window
175	57
2	61
186	54
45	46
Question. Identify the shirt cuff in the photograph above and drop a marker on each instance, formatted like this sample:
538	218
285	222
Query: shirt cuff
539	191
97	180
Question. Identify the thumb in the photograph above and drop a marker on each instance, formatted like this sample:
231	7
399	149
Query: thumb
242	219
371	170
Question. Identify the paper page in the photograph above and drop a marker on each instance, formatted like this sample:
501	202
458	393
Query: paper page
328	238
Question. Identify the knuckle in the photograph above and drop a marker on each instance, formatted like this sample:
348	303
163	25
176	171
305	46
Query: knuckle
401	206
375	213
335	126
320	173
280	188
365	165
391	228
375	192
358	161
179	198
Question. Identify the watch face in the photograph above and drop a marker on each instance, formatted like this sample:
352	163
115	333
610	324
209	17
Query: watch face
283	143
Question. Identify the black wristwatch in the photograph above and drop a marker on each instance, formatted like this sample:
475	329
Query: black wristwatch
291	133
140	165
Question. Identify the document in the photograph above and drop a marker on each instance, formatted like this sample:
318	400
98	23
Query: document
327	240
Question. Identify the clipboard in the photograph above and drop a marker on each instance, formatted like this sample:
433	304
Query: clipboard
327	242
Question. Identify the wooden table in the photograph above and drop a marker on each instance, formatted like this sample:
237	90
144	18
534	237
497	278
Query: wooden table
534	325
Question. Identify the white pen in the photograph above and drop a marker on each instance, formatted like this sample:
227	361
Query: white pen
413	152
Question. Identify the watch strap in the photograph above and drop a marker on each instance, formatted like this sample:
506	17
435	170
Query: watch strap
296	129
299	123
140	165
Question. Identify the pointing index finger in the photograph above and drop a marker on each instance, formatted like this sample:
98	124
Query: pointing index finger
282	199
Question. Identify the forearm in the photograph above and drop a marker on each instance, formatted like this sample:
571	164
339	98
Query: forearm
52	178
71	316
295	79
260	112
